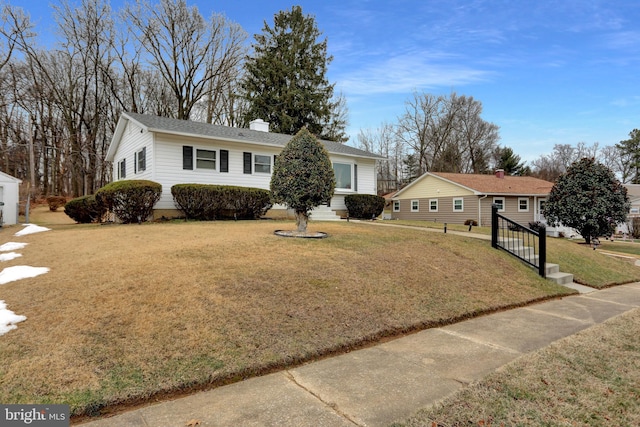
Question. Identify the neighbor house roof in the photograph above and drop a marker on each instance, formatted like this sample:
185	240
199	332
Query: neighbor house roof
491	184
205	130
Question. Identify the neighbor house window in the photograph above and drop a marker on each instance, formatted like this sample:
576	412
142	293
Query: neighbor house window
262	164
122	169
205	159
433	205
458	205
499	201
342	172
396	205
140	160
415	205
523	204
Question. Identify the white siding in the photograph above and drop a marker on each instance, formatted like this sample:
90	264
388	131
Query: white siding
133	139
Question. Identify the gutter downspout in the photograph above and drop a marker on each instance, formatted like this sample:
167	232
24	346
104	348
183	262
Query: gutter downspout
480	209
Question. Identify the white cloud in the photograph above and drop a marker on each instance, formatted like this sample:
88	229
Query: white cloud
17	272
8	319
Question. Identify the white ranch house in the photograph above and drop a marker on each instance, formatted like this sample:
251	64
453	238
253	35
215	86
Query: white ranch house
171	151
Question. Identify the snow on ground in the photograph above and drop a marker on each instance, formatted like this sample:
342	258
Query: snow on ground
18	272
9	256
12	246
8	319
30	229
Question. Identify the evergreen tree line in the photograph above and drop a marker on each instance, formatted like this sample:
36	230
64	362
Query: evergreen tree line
61	102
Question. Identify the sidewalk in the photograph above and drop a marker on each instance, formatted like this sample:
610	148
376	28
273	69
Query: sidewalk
389	382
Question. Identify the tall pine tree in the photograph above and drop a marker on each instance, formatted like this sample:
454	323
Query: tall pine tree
285	80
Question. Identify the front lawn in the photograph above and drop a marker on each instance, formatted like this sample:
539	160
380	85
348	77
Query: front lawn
131	312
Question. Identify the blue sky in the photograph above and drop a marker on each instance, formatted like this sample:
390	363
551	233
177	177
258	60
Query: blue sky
546	72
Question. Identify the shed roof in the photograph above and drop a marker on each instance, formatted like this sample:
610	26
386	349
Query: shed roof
226	133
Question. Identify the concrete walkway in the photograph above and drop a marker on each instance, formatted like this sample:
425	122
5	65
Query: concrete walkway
389	382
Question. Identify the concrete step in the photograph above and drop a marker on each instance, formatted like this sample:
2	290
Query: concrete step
323	213
560	278
551	268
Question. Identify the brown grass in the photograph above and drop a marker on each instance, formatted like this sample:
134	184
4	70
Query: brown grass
588	379
133	311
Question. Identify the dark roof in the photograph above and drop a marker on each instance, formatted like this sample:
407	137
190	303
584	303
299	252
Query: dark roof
206	130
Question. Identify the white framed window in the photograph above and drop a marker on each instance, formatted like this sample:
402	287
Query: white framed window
523	204
396	205
261	164
205	159
458	204
415	206
344	178
500	202
433	205
140	160
122	169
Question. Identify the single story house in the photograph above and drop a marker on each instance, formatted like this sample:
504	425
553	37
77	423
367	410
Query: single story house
455	198
171	151
9	197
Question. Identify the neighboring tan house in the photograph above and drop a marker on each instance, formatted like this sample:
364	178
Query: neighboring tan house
171	151
9	197
455	197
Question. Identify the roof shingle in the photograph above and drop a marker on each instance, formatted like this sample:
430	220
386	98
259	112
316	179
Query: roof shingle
491	184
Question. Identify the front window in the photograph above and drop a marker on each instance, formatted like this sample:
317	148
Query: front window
433	205
205	159
523	204
458	205
262	164
342	172
415	205
499	201
141	160
396	205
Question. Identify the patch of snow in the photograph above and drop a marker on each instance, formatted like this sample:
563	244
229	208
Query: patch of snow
12	246
18	272
9	256
30	229
8	319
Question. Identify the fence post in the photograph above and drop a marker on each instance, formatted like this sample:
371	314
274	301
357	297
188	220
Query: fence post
494	226
542	251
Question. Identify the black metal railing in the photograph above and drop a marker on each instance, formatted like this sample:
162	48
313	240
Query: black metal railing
528	245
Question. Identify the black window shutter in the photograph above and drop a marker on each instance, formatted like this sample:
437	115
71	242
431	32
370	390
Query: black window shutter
247	163
224	160
135	162
187	157
123	168
355	177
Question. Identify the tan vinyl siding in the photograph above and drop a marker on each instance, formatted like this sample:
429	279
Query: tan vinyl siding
430	186
445	211
511	210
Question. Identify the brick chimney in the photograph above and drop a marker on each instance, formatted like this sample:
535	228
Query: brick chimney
500	173
259	125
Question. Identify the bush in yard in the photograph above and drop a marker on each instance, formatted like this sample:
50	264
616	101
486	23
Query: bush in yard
366	206
84	210
55	202
130	200
208	202
303	176
471	222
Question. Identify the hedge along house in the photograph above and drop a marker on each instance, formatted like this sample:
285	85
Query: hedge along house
9	197
455	198
172	151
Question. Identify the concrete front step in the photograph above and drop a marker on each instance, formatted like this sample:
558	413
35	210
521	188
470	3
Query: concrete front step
560	278
323	213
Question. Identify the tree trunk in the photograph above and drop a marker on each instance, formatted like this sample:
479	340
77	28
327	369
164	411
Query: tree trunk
302	217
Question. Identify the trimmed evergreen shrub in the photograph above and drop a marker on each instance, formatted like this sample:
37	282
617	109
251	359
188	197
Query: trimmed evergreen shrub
130	200
85	209
366	206
55	202
207	202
